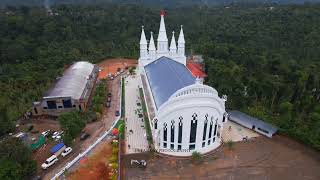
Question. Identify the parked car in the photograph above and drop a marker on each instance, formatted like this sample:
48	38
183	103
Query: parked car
55	134
117	113
84	136
49	162
46	133
66	151
58	138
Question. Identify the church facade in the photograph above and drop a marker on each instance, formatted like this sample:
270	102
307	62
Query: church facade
185	115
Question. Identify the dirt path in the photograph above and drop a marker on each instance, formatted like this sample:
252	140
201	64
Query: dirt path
262	158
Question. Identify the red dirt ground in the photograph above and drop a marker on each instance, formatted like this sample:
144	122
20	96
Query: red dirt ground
94	167
111	66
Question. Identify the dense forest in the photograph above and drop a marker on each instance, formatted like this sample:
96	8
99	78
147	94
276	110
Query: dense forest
152	3
265	59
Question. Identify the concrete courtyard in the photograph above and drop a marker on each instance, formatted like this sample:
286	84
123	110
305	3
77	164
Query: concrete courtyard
136	139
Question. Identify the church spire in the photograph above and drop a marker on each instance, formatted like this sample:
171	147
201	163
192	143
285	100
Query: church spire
173	45
143	45
143	39
152	47
162	37
181	36
181	43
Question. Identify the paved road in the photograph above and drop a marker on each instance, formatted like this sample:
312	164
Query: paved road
95	129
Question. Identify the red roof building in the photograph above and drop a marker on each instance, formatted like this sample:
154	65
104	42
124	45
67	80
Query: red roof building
196	70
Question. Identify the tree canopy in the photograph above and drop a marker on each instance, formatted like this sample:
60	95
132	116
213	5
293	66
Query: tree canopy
265	59
15	160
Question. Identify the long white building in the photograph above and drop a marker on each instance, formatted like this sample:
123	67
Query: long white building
185	115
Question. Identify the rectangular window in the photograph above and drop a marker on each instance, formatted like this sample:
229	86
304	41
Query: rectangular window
171	146
265	131
180	134
52	104
213	140
67	103
165	134
193	131
179	147
215	130
209	142
203	144
59	107
165	145
172	134
192	146
210	131
204	131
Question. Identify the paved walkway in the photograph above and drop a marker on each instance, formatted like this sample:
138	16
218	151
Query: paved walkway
136	139
236	132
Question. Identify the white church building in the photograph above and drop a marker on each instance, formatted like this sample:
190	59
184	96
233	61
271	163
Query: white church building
185	115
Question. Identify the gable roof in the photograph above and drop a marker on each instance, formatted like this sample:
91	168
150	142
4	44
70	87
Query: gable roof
165	77
73	81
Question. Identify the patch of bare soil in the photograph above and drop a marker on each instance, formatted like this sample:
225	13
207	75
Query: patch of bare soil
112	65
94	167
261	158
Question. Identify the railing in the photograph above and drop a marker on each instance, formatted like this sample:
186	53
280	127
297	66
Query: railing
81	155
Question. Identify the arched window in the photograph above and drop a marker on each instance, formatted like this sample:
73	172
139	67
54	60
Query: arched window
210	129
155	123
172	131
165	132
215	128
193	129
205	127
180	129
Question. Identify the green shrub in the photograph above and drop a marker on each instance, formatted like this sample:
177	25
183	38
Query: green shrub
113	158
196	156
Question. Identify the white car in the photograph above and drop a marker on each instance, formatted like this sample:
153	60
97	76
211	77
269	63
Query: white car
55	134
57	138
45	133
49	162
66	151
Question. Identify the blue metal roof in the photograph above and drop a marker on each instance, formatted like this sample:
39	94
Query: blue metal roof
165	77
249	121
56	148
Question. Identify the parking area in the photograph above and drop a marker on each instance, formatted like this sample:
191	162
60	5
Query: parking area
136	139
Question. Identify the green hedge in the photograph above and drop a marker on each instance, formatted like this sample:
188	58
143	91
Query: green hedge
146	118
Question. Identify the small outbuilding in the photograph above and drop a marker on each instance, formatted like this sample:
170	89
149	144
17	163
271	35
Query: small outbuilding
252	123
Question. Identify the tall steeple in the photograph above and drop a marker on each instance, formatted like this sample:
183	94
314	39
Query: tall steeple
181	43
152	48
173	46
162	37
143	45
